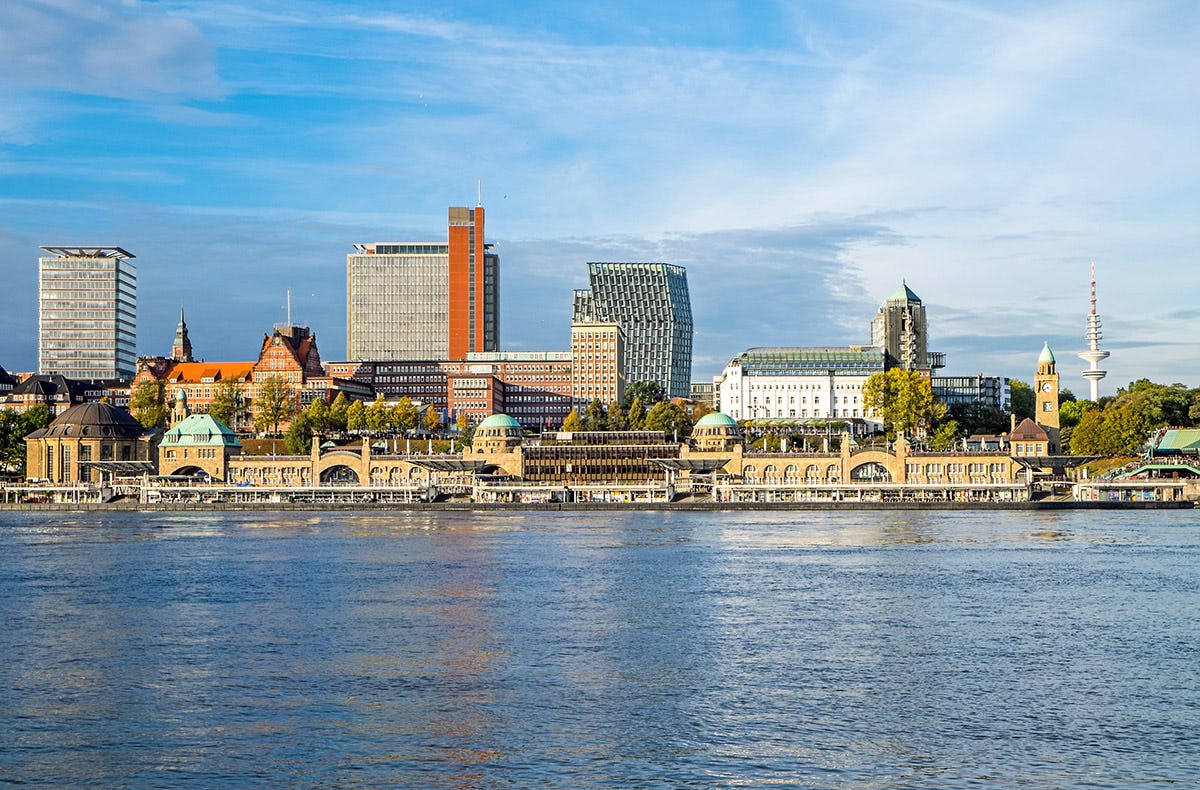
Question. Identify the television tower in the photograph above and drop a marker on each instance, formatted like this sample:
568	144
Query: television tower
1094	356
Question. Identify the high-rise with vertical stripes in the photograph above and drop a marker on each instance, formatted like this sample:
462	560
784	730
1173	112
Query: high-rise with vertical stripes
424	300
650	302
87	313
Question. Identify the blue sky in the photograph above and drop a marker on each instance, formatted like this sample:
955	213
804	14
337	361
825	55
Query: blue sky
799	158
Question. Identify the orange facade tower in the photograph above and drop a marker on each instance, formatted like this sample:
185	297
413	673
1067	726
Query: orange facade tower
473	287
425	300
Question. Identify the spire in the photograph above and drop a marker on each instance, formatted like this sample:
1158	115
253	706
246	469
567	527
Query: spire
1094	355
182	349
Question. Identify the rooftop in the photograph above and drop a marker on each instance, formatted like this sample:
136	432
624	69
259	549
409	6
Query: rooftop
89	252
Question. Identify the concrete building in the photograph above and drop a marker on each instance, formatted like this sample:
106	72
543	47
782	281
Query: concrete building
597	349
900	329
425	300
800	384
87	313
650	302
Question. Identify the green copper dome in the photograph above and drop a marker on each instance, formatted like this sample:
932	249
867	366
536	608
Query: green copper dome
1047	355
716	420
499	421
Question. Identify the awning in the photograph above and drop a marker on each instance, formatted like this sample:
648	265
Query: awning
126	468
698	465
448	464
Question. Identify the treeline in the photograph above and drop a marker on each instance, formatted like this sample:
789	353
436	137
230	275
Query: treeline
1120	424
644	408
1117	425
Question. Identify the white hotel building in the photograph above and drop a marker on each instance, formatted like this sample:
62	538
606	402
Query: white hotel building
800	385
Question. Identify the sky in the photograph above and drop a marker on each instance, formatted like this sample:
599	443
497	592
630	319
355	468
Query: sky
801	159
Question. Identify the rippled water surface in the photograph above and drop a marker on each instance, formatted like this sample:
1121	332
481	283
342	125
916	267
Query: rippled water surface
857	649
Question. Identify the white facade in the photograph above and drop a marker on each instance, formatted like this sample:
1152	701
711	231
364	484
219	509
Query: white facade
797	384
87	313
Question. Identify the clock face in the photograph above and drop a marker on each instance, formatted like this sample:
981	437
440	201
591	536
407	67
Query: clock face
1046	387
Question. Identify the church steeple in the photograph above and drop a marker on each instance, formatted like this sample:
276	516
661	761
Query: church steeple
182	350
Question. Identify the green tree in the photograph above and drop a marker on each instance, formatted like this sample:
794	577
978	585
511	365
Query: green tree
432	421
378	416
636	416
944	437
1086	435
404	415
14	428
273	406
338	412
594	417
902	399
978	418
299	436
1022	399
317	416
229	402
701	409
617	421
356	416
648	392
148	403
462	422
572	422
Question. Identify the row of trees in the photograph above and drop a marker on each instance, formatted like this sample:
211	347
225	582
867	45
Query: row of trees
644	408
354	416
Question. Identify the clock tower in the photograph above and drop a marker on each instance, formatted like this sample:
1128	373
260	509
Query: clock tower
1045	385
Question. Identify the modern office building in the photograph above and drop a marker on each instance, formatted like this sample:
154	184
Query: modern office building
899	328
984	390
597	348
651	304
87	313
425	300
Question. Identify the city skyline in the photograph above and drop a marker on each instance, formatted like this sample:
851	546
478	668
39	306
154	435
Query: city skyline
985	157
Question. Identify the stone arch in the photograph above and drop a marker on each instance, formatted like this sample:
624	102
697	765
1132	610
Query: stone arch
750	472
340	474
187	470
770	473
790	473
833	473
812	474
870	472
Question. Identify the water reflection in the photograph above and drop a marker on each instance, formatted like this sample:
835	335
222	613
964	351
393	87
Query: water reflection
865	649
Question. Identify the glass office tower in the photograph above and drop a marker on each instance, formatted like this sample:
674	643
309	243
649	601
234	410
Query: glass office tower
87	313
650	302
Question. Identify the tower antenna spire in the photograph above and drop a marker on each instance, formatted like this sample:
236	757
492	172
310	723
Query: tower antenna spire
479	192
289	306
1094	355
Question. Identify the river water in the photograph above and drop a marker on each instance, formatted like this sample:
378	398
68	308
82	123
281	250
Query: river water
810	649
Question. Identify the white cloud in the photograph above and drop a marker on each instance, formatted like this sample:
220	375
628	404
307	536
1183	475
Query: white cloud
114	49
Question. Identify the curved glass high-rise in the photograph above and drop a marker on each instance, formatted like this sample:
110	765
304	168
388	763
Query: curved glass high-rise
651	304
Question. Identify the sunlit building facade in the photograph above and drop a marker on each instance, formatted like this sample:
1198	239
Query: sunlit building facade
87	313
651	304
414	301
